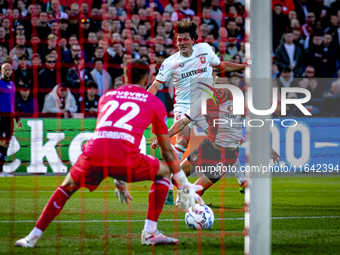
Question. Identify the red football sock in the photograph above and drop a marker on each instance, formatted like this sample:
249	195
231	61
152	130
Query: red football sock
158	192
53	207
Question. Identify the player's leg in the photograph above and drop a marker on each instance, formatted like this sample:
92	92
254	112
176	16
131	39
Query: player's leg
182	141
241	179
51	210
6	131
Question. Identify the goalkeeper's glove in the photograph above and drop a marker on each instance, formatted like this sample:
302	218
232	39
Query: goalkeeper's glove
187	192
121	192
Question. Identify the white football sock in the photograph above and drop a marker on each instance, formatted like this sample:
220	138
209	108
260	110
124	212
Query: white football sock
150	226
36	232
180	151
238	173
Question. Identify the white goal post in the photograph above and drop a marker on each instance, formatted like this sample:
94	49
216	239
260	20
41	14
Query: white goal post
258	193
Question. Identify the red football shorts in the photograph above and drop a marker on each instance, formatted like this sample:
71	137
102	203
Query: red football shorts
143	168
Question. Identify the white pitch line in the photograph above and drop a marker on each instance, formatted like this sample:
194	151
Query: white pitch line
147	191
125	221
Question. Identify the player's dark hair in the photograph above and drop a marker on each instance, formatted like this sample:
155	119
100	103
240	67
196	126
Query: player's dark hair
186	26
286	70
136	70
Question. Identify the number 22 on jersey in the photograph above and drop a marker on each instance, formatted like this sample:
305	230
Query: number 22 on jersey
112	106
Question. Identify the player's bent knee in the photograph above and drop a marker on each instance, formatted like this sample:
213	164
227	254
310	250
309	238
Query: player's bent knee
164	170
69	184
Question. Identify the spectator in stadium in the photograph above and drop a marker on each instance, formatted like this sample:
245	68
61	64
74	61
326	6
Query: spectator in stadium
232	46
321	11
20	39
77	76
2	34
232	29
22	8
222	52
64	31
51	44
331	99
62	45
286	78
183	12
169	8
91	45
288	55
55	27
322	58
119	5
91	99
115	70
286	5
47	78
216	13
98	53
57	10
101	77
308	27
43	29
85	27
60	100
25	103
280	23
309	72
23	75
19	50
118	82
210	22
69	56
36	62
16	18
84	9
333	26
6	24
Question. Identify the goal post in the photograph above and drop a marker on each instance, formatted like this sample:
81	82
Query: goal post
258	193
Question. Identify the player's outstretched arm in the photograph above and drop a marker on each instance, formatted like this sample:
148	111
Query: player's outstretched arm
230	66
154	87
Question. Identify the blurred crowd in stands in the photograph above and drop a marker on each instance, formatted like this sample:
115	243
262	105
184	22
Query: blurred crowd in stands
65	57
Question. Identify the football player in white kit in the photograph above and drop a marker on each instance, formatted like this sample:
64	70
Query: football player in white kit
191	66
221	147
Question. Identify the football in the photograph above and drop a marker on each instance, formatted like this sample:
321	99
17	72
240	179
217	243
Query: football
200	218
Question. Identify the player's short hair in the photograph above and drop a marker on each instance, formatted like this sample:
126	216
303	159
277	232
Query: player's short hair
186	26
136	70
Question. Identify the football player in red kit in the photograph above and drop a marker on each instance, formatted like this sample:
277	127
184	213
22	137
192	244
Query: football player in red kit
113	151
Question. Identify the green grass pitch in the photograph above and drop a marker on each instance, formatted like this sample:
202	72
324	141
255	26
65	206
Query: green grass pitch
305	211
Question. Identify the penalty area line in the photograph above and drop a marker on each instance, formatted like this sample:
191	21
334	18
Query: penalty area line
124	221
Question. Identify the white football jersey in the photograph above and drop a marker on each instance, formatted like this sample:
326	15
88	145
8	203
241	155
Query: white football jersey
189	73
225	128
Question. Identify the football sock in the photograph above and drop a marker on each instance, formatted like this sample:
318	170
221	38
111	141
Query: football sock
150	226
3	157
180	151
238	173
158	192
53	207
35	232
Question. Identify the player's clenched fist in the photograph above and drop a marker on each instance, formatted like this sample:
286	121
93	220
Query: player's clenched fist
121	192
